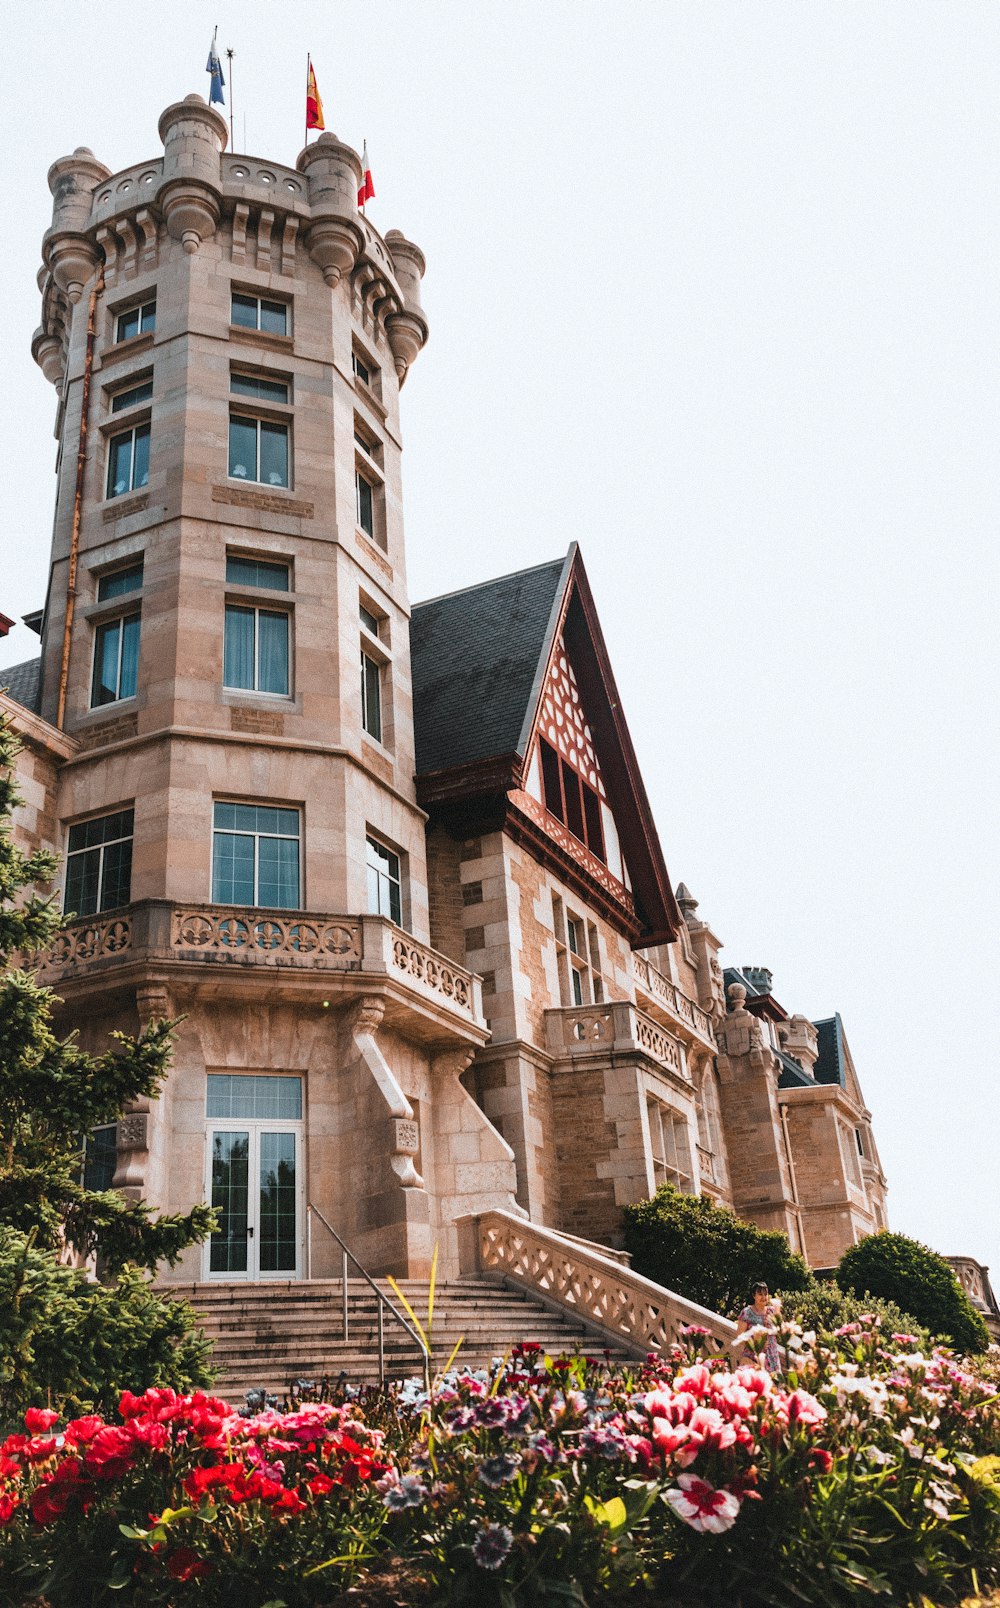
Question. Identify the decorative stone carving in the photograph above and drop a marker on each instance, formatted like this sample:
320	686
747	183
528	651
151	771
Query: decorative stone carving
133	1131
407	1137
738	1033
367	1014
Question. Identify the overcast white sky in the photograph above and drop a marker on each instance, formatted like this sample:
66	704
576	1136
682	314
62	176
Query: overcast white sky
713	290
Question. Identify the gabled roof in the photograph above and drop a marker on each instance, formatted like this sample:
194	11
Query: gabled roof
479	660
21	682
475	656
830	1067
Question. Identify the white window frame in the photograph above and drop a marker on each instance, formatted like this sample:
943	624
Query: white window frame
142	308
121	620
256	610
276	301
366	660
375	841
257	420
242	832
119	435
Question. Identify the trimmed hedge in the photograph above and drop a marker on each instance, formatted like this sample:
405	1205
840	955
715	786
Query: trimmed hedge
919	1280
706	1253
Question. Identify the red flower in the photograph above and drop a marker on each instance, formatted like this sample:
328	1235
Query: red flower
320	1484
821	1459
81	1431
111	1452
51	1499
289	1502
38	1419
40	1448
185	1564
7	1506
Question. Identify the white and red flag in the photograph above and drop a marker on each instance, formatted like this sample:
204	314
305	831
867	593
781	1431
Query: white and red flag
367	190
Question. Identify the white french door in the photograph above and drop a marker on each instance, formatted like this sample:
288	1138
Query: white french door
255	1183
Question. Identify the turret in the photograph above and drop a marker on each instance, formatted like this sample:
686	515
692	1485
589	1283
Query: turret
190	195
67	249
335	236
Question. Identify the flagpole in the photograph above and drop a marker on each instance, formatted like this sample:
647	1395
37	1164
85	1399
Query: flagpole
232	124
308	65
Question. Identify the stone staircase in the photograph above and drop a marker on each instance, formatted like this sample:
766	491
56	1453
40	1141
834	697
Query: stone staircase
266	1335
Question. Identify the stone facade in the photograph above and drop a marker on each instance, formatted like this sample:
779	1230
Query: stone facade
515	1011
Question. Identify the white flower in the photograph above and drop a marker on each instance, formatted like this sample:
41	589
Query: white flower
702	1506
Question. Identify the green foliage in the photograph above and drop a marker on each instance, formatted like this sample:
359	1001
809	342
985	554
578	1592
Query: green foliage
899	1269
52	1093
78	1345
705	1253
825	1307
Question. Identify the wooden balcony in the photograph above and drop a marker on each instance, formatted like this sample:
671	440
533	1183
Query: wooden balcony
671	1006
299	952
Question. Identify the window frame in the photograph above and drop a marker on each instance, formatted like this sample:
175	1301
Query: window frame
130	567
141	308
71	854
119	621
118	394
373	841
260	418
663	1171
268	561
257	328
141	426
256	835
554	771
231	606
378	667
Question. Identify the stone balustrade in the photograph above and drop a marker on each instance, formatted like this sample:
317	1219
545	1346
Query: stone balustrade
159	931
688	1018
631	1310
618	1027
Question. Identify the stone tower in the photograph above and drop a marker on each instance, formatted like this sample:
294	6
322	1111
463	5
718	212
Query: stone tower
225	649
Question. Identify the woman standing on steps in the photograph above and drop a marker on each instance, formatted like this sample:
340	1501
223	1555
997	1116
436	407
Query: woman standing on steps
762	1313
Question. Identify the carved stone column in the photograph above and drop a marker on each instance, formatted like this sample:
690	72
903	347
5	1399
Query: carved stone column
138	1127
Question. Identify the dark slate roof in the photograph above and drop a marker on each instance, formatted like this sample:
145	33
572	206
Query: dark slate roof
21	682
829	1066
793	1074
475	656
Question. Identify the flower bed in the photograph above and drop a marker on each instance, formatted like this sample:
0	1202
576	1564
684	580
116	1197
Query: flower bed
870	1473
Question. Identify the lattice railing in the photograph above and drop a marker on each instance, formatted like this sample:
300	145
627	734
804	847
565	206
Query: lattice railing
636	1312
336	940
428	967
85	941
672	999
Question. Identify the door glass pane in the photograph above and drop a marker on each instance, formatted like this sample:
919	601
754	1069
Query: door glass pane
230	1197
278	873
117	881
82	881
130	657
140	462
243	449
277	1203
119	465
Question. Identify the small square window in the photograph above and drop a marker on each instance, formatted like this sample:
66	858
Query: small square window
370	621
256	312
256	572
119	582
131	397
136	321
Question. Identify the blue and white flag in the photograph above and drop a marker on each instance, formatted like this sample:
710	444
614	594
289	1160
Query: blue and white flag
214	66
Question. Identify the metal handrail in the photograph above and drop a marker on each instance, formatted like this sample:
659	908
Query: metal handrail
347	1255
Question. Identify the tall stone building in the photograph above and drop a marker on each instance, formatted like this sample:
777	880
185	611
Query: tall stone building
396	870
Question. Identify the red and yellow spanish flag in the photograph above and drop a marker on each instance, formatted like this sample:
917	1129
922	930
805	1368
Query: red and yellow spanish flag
367	190
314	106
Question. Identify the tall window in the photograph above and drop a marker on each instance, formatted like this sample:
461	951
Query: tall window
371	696
99	864
256	312
128	461
136	321
256	650
671	1154
100	1157
384	883
578	954
571	800
365	504
116	661
258	450
255	858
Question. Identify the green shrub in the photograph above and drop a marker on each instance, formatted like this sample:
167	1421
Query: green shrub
899	1269
825	1307
706	1253
74	1345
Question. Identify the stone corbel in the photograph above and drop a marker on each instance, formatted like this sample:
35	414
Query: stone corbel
149	230
288	239
363	276
265	223
108	245
240	219
363	1023
130	244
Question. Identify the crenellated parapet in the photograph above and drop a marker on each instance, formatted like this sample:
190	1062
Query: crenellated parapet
119	222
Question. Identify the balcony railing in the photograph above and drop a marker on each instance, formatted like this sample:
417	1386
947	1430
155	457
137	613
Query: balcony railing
618	1026
684	1015
296	940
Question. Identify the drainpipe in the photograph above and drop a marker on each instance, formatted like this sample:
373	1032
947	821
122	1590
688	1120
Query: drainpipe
81	464
791	1175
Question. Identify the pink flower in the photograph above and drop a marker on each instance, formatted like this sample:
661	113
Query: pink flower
804	1409
701	1506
